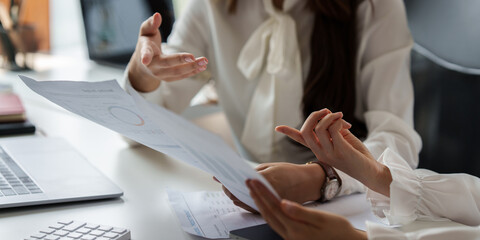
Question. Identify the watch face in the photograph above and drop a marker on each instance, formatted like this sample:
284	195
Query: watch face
331	189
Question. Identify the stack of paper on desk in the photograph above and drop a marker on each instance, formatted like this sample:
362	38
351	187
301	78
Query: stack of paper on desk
213	215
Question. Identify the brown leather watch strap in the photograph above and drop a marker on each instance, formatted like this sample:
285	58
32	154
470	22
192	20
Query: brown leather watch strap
330	174
329	171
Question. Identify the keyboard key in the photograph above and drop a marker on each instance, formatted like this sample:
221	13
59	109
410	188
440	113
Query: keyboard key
74	226
84	230
102	238
21	190
61	233
38	235
8	192
74	235
48	230
97	233
110	235
56	226
105	228
88	237
65	222
51	238
92	226
119	230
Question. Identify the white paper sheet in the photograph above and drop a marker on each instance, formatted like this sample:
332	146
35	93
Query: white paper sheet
107	104
213	215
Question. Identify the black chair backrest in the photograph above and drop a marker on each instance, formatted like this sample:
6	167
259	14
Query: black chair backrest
446	77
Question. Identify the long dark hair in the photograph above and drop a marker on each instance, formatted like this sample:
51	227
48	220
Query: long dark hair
332	76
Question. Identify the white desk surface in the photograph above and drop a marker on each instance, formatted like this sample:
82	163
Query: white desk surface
142	173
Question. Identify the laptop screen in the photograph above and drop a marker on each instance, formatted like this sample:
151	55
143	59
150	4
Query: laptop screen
111	26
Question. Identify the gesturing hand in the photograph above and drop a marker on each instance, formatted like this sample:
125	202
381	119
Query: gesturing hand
327	135
149	65
293	221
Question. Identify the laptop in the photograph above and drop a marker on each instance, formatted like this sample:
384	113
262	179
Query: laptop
112	26
41	170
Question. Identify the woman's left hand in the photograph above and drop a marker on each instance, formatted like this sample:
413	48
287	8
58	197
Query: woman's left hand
327	135
293	221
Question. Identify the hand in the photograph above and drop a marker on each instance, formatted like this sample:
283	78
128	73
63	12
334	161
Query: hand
327	135
296	182
293	221
149	65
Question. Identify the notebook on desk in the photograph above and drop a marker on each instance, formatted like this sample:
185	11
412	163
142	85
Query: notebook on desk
38	170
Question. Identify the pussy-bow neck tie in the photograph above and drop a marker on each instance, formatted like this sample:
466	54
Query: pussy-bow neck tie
272	56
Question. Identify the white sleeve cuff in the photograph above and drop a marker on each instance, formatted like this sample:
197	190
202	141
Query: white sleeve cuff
406	203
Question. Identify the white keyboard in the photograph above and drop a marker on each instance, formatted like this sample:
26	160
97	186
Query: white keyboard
70	230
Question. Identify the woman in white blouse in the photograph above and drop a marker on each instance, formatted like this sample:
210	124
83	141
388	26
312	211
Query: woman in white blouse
397	193
276	61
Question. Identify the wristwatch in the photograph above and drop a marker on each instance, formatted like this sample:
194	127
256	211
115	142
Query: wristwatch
333	183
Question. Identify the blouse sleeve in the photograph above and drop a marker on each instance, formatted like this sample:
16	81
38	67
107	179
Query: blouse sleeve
380	232
384	87
425	195
384	77
189	34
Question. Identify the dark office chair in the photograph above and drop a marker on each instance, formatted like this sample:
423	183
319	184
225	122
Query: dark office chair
446	76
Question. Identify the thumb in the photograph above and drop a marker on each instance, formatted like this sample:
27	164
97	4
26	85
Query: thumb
301	213
150	26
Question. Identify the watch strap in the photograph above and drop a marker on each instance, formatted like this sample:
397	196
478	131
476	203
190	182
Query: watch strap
330	174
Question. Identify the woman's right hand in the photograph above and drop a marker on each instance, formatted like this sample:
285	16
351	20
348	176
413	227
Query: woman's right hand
296	182
149	65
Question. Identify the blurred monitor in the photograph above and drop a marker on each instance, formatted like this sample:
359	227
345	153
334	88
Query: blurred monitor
112	26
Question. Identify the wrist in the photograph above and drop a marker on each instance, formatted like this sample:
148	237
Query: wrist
380	179
315	179
139	79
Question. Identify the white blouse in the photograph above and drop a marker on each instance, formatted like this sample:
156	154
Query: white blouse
384	92
424	195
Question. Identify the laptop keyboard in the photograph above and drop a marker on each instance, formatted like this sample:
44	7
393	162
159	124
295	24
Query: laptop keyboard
13	180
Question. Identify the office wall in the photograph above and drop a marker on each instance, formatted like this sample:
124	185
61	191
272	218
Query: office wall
66	25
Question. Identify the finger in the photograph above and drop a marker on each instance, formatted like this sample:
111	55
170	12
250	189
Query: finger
180	77
176	59
303	214
308	133
150	26
313	119
335	131
268	205
148	52
215	179
263	166
321	130
292	133
175	71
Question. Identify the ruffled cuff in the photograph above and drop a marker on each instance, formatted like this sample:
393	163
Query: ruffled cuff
405	204
377	231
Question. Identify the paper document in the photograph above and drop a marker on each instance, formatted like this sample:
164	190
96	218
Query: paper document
107	104
213	214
